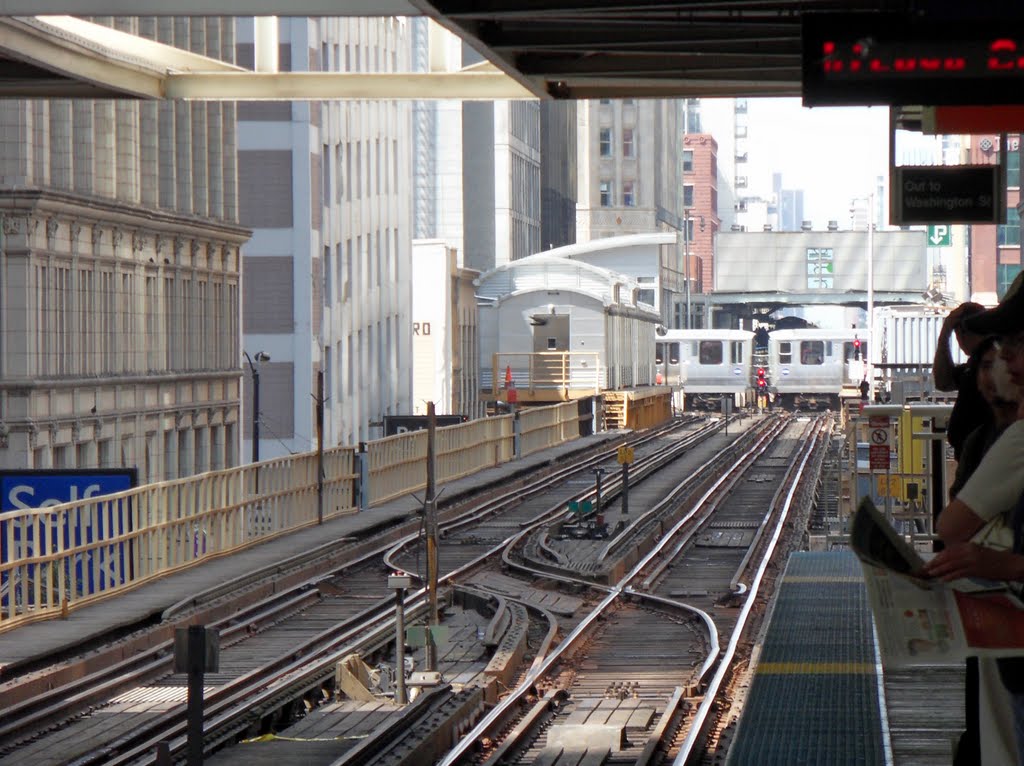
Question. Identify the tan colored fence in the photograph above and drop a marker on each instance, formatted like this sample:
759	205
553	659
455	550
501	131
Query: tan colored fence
69	555
543	427
66	556
397	464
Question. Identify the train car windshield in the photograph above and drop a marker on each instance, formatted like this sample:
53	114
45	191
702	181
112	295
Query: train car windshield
710	352
673	353
812	352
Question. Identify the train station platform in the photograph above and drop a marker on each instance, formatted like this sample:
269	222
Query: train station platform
178	593
817	691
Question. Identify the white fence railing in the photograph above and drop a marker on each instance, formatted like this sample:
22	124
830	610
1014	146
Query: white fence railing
62	557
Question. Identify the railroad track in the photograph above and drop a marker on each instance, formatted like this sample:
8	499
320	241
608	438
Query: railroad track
623	686
259	654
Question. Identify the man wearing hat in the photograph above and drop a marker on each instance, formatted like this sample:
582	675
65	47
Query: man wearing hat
995	489
970	409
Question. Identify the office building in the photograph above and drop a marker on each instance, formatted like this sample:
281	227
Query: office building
120	276
327	274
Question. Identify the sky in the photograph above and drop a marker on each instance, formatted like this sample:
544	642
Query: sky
832	153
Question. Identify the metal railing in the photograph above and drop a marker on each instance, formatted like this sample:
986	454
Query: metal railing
397	464
59	558
563	371
544	427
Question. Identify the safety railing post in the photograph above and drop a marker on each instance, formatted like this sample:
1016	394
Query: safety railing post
517	436
362	478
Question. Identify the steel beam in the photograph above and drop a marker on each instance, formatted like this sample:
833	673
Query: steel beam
329	86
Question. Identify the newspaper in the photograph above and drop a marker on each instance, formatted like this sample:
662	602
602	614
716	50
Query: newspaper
921	621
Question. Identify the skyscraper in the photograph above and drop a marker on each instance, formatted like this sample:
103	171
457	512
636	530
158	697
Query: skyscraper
629	167
326	188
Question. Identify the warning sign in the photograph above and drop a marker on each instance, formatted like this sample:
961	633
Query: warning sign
878	456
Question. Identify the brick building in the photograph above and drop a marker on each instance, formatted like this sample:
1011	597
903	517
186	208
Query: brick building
994	254
700	200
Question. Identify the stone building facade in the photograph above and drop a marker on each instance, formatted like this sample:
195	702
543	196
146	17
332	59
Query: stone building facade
119	277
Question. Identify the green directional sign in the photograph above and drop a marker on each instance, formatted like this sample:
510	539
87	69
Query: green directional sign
940	235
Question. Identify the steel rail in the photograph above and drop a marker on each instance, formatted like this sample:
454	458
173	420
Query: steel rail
385	607
610	485
687	485
231	703
541	486
59	702
735	585
704	709
503	709
714	657
65	699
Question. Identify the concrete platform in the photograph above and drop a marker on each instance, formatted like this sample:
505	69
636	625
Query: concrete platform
23	646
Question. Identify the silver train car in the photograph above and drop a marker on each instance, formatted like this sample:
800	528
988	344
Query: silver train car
814	369
706	365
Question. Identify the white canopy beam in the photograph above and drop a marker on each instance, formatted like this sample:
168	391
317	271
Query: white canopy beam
329	86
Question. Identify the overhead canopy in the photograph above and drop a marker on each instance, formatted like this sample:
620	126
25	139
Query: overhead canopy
540	48
67	57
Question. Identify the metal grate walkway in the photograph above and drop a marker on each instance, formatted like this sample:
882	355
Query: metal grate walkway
814	698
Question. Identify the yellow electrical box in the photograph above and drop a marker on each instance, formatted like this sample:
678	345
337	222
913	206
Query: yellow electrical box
625	454
910	452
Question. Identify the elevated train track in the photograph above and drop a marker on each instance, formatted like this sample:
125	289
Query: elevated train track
281	658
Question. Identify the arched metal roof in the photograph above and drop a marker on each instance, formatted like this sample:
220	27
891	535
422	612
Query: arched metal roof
549	272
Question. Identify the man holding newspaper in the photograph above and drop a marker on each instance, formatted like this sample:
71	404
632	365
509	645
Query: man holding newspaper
994	494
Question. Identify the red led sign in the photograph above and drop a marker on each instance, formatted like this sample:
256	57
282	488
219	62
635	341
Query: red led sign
882	59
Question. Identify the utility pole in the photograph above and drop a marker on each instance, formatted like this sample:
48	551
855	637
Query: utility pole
686	261
261	356
430	524
871	296
320	447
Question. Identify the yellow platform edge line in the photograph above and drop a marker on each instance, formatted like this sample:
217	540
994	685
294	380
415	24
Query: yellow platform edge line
815	668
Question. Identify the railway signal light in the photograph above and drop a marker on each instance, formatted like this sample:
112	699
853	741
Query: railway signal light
761	382
856	349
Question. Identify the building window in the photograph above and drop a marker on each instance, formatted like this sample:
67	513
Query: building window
325	170
606	142
687	160
1009	233
628	146
688	195
1013	169
1005	274
606	194
645	296
629	194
